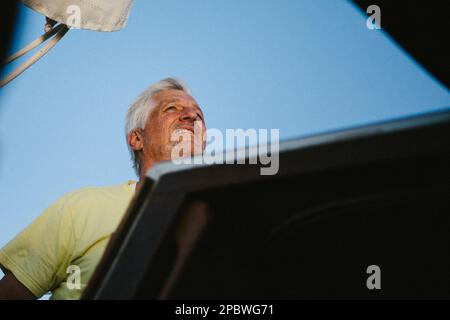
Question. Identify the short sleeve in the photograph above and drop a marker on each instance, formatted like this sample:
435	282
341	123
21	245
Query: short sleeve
39	255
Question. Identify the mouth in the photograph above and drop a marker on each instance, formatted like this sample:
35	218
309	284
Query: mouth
184	130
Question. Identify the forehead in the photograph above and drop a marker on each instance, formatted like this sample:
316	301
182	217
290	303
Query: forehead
177	96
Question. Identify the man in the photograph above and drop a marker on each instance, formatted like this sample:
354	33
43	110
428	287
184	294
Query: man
66	242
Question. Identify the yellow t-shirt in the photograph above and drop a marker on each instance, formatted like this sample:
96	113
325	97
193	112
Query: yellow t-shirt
67	241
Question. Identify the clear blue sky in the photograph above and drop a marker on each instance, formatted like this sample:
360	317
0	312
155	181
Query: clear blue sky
300	66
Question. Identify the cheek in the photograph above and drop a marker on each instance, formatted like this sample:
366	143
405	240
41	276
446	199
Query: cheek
199	126
152	135
204	132
165	128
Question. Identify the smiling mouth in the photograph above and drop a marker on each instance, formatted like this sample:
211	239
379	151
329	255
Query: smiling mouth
184	130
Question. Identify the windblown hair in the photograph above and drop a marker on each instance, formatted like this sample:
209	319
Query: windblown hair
138	112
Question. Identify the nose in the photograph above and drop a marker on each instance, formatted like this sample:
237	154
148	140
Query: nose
188	114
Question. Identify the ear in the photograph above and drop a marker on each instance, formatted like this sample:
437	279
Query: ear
135	140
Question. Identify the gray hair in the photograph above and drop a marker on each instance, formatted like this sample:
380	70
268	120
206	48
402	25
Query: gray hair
138	112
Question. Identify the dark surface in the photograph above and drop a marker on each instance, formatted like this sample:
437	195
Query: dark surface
341	202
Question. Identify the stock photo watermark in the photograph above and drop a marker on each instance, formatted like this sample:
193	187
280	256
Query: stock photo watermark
374	280
374	20
263	147
74	16
74	277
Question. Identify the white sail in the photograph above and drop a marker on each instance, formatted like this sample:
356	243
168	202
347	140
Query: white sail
97	15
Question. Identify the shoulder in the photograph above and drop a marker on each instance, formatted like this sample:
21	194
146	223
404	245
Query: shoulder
96	195
95	211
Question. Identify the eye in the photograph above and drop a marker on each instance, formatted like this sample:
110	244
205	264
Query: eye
170	108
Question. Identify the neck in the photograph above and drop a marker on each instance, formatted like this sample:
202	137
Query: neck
139	185
142	175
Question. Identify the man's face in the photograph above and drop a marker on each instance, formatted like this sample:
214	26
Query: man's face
176	118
